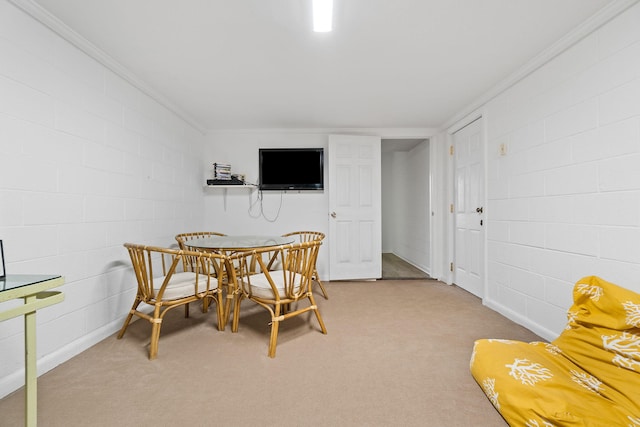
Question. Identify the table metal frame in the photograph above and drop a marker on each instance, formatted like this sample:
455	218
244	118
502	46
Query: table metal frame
34	290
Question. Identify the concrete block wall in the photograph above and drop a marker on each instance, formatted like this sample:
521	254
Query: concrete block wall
564	200
88	162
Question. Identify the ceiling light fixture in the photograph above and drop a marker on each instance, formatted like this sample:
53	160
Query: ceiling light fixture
322	16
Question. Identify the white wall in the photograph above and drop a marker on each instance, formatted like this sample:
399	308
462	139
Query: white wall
413	239
564	202
88	162
241	211
388	201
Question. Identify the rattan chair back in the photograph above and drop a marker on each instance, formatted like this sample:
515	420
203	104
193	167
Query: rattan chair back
183	237
169	278
276	290
308	236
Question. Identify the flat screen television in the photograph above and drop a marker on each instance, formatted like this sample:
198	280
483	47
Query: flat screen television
291	169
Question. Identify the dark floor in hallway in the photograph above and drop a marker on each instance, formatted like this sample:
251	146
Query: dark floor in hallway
394	267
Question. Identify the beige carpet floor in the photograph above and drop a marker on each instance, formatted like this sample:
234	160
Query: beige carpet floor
396	354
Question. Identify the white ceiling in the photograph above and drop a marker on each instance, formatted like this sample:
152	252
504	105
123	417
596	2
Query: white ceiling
257	63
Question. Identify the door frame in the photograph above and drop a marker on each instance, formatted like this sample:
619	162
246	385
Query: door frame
437	187
451	192
424	187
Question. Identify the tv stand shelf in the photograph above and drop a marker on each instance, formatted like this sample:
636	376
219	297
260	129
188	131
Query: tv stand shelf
251	186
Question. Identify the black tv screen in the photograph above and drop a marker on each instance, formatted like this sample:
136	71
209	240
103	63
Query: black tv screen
291	168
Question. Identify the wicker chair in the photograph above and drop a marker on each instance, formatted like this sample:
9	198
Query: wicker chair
182	240
184	237
170	278
307	236
276	290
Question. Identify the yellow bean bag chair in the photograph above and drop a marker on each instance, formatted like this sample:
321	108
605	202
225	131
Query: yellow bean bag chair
588	376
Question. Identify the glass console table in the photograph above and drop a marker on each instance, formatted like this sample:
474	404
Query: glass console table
35	291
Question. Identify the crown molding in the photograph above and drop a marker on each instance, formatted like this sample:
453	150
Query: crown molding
386	133
601	17
63	30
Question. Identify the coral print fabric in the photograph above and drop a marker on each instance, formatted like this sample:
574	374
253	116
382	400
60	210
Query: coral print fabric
588	376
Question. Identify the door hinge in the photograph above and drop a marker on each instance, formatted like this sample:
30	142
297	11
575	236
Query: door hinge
451	208
451	267
451	150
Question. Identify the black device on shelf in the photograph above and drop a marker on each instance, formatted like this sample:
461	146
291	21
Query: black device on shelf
232	181
291	168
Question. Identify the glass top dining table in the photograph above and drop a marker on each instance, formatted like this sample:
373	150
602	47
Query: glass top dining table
238	243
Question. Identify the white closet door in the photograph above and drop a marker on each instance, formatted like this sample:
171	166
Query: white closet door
469	210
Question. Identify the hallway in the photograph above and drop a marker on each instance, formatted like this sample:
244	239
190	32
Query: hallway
394	268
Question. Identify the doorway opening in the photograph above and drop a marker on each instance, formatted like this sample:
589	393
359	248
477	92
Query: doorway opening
406	210
395	268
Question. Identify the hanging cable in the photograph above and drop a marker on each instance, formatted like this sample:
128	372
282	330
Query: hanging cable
260	200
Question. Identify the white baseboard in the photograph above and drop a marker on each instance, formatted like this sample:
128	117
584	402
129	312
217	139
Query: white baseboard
520	320
14	381
425	270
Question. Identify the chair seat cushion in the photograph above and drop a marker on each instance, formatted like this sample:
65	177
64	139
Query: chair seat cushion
182	285
261	288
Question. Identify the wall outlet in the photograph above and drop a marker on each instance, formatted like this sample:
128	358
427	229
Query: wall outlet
502	150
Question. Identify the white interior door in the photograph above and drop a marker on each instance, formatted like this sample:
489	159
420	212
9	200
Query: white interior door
469	209
355	221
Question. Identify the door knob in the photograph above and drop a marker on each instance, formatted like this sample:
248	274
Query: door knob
333	215
479	210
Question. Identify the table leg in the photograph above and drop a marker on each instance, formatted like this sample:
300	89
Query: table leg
30	366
